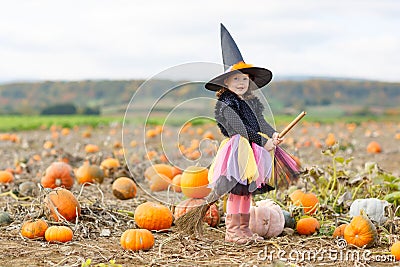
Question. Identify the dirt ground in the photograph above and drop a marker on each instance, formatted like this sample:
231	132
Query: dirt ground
98	230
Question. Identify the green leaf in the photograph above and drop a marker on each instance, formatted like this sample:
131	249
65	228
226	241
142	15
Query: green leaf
339	159
392	197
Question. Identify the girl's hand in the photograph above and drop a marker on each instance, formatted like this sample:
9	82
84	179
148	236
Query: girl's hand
276	140
269	145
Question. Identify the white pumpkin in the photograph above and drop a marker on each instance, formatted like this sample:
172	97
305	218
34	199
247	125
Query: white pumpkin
373	207
266	218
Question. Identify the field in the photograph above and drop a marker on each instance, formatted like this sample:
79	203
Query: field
339	176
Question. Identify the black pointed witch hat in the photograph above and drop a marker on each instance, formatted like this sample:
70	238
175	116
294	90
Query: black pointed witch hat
233	62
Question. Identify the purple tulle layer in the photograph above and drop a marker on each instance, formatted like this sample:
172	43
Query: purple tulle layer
258	163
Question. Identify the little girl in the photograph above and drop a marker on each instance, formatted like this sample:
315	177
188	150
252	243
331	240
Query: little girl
243	162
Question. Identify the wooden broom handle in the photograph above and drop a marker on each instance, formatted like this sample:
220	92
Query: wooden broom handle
292	124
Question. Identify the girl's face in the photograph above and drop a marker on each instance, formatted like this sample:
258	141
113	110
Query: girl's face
238	83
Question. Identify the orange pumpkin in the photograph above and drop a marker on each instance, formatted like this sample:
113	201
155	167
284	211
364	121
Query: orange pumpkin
339	231
395	250
308	201
137	239
307	226
360	231
62	202
89	174
124	188
34	229
58	174
159	182
330	140
109	166
58	234
65	131
153	216
176	183
175	171
90	148
161	168
211	217
6	177
48	145
194	182
374	147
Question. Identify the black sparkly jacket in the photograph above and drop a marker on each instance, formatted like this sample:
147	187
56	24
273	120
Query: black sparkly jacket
237	116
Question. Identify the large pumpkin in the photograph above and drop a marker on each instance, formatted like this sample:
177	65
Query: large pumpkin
58	174
153	216
266	218
211	217
308	201
89	174
137	239
360	231
34	229
62	202
194	182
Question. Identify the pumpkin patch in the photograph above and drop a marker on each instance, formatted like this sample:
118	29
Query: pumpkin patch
112	225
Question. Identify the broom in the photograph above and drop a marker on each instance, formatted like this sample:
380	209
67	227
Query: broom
284	166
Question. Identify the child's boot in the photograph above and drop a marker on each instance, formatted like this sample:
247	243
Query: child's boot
245	230
233	233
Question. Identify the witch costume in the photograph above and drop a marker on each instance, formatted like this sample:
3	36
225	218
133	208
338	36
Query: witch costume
242	165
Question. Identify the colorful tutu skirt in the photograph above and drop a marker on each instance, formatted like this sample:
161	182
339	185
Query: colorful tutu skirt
240	168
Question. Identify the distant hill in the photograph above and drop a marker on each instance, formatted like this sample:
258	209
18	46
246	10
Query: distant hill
110	95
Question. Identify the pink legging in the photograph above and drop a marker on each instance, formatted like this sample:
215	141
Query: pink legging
238	204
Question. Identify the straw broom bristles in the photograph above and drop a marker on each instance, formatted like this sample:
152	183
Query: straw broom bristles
192	222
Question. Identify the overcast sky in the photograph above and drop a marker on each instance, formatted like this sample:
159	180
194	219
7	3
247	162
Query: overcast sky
116	39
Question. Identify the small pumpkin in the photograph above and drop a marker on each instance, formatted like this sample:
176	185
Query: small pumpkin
62	202
307	226
124	188
395	250
28	189
90	148
308	201
6	177
159	182
58	234
176	183
137	239
153	216
211	217
194	182
360	231
5	218
374	147
89	174
339	231
109	166
266	218
290	222
330	140
34	229
58	174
